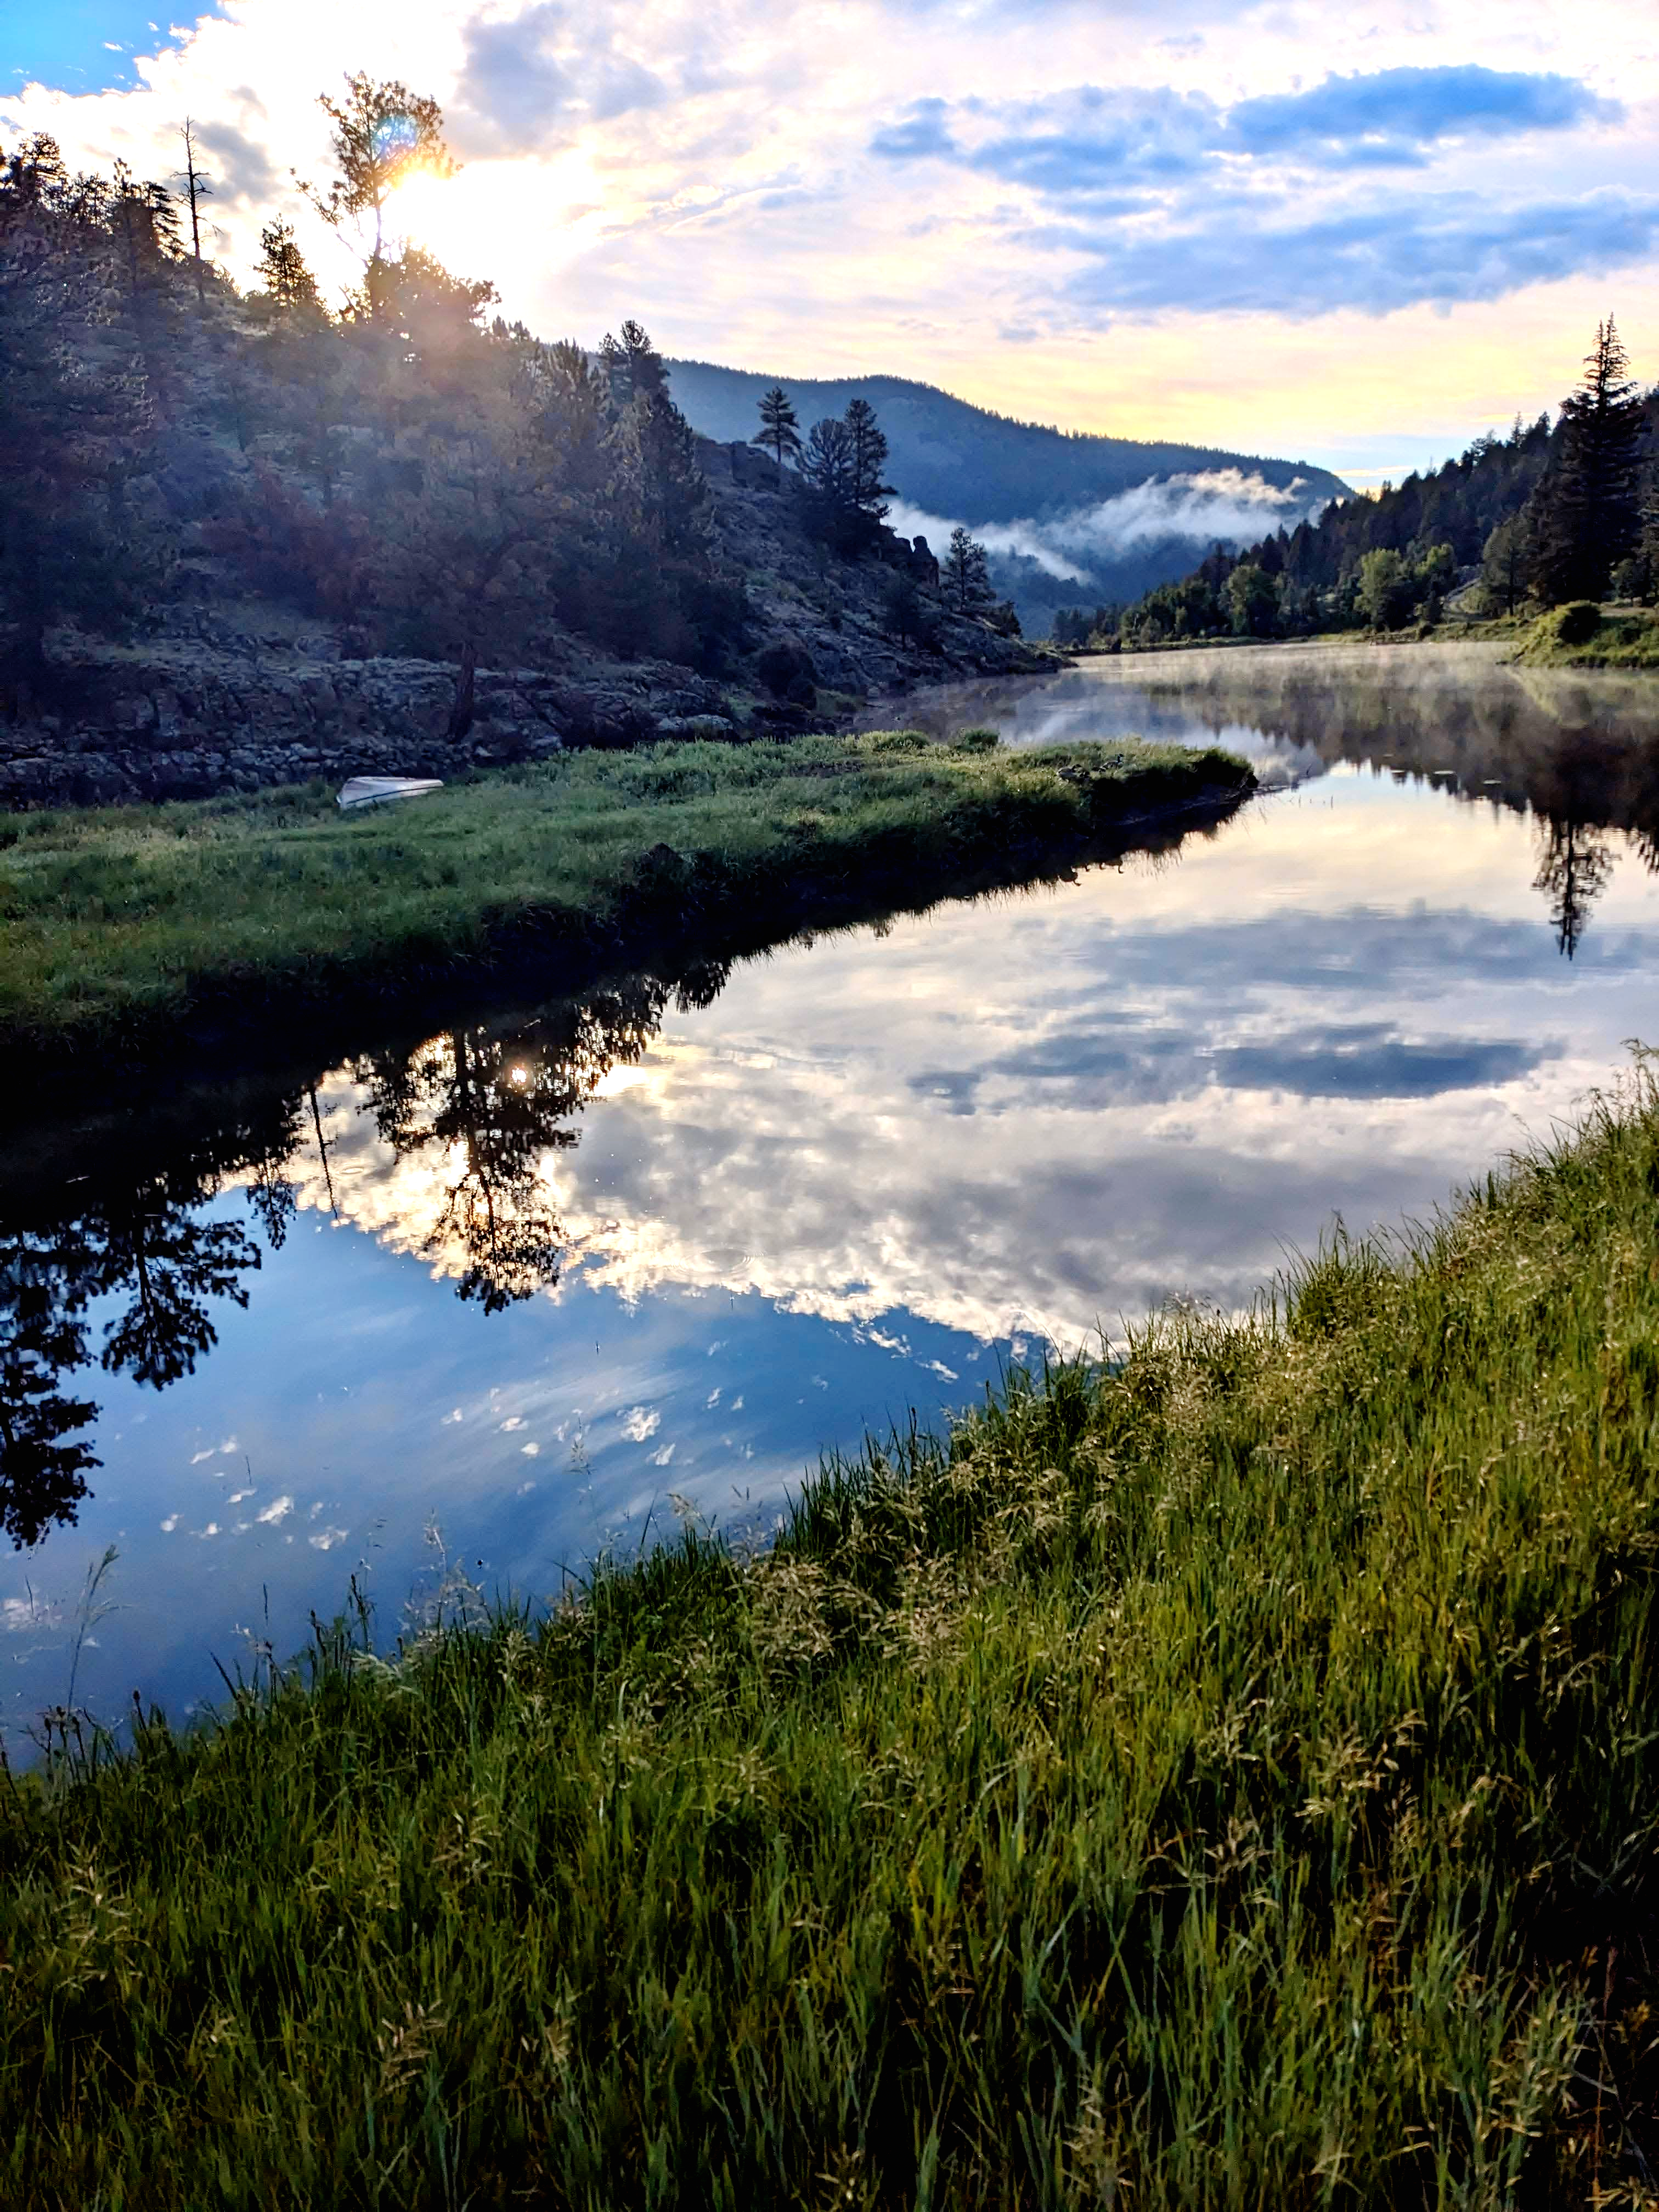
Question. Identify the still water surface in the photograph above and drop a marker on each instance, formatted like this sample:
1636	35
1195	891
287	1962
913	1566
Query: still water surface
542	1277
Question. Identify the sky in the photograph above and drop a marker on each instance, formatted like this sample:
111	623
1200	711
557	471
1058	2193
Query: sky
1356	237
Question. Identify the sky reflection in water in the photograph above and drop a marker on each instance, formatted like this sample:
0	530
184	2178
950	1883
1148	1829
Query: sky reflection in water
852	1182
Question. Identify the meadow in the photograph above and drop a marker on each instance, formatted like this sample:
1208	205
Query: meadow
124	928
1223	1773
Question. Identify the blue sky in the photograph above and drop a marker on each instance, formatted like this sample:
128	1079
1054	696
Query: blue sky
85	45
1286	227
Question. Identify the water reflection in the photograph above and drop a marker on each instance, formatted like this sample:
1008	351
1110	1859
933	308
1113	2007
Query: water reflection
477	1111
1577	750
138	1242
849	1171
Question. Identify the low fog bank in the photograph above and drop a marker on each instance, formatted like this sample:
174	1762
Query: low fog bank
1120	547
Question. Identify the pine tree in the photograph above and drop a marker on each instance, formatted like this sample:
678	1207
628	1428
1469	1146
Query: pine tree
77	420
867	442
1586	513
632	367
965	575
289	284
780	432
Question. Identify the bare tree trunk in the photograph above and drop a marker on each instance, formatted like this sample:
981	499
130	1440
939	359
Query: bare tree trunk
460	714
200	190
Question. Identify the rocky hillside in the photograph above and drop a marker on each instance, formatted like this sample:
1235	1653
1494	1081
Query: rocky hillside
244	535
229	692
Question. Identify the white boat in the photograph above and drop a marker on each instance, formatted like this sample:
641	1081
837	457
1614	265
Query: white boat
370	790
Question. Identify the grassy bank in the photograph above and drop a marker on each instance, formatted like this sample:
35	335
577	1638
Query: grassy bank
1231	1779
121	926
1581	636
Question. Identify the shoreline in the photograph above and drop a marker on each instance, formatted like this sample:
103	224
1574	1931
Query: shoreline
242	930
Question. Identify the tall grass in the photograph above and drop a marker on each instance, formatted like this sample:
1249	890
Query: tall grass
1224	1777
125	923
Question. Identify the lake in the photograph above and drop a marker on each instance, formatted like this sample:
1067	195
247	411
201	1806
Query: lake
497	1300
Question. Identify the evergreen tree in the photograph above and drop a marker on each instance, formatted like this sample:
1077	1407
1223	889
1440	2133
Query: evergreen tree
289	285
143	222
867	448
632	367
1586	513
780	432
77	423
965	575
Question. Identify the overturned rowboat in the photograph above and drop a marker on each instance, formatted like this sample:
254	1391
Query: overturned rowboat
371	790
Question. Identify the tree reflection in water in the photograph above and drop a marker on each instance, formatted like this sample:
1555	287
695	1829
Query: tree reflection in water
489	1102
1574	866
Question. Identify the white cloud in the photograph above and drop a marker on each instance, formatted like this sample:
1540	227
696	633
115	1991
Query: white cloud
1225	504
641	1422
278	1510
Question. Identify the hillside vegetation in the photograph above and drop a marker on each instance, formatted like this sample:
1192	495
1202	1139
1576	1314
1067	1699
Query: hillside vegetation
1224	1777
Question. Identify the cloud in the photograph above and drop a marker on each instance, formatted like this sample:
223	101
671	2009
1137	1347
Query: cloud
1449	249
923	131
1070	143
1399	112
241	169
527	84
1201	508
1176	202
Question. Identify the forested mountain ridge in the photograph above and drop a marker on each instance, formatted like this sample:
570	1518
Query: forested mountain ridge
969	462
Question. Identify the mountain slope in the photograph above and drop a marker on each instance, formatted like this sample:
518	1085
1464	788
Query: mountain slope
1068	516
951	457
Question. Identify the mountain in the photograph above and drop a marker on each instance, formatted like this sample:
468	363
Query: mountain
1068	516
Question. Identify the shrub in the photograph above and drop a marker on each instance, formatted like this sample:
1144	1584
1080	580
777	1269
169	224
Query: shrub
1577	621
784	665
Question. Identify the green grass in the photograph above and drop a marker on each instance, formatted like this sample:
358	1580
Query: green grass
1625	639
120	925
1229	1779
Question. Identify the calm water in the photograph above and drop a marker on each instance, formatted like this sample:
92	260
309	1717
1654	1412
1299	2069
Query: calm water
541	1279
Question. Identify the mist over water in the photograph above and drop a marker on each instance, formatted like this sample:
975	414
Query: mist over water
535	1277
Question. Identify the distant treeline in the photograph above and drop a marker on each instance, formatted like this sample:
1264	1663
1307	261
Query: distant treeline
1542	517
